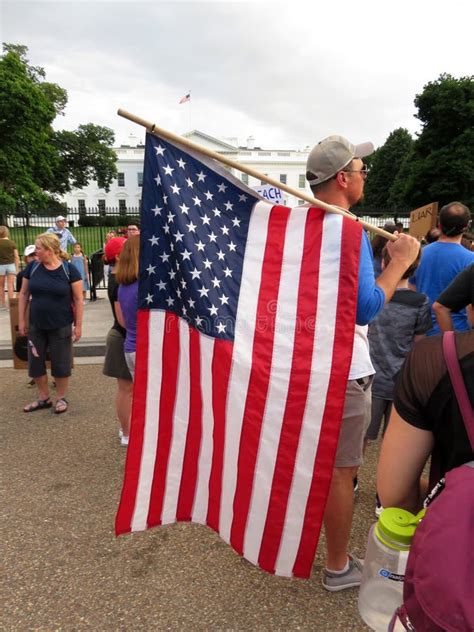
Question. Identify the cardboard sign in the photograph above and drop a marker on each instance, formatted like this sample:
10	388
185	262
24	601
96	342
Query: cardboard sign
270	193
423	219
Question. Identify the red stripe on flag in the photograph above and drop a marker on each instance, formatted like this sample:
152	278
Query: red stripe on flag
260	373
342	354
170	360
297	391
187	488
123	520
221	363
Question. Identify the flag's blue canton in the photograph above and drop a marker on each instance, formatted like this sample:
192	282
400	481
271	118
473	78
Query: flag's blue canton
194	232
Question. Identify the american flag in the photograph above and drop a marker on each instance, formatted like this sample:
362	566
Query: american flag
245	334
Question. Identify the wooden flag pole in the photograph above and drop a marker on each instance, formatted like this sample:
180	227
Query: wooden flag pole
184	142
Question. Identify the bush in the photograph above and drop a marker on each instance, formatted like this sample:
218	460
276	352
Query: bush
107	220
87	220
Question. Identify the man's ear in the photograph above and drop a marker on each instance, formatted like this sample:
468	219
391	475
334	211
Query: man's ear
341	179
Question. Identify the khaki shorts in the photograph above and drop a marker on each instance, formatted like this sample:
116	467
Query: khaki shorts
355	421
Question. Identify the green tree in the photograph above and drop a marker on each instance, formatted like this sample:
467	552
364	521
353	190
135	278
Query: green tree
441	167
386	163
37	163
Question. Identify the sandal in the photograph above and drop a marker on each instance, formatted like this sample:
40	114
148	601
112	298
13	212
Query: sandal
61	406
38	404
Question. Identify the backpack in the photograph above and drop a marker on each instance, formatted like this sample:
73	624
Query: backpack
438	591
66	269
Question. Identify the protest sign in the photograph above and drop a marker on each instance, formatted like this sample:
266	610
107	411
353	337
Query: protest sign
423	219
270	193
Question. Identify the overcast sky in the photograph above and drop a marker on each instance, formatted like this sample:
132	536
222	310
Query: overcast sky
287	73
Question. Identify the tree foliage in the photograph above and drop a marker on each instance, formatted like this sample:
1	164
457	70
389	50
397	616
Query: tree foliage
38	163
441	166
385	165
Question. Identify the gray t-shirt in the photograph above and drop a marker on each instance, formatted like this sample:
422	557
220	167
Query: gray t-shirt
391	337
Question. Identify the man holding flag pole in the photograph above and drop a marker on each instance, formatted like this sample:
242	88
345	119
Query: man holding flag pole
245	336
337	174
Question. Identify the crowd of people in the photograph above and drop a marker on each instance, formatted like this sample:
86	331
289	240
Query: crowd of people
51	288
391	318
397	379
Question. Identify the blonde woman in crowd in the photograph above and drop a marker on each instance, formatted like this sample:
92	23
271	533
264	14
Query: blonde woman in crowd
55	319
9	265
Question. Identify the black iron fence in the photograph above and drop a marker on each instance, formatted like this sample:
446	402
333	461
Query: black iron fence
92	227
89	226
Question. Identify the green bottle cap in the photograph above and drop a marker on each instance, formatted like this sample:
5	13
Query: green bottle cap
396	527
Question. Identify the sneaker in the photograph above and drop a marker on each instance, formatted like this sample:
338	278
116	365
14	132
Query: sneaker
355	483
350	579
124	441
378	506
120	434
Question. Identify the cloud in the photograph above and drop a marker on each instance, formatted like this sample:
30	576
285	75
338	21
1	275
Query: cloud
286	74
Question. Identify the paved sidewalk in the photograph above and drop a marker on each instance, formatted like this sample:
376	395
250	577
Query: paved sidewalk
97	322
63	569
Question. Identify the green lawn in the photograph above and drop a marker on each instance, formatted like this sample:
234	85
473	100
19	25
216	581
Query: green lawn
91	238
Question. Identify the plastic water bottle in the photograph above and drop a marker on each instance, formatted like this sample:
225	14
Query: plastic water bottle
381	589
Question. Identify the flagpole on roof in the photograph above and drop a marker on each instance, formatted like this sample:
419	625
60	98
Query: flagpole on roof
184	142
190	109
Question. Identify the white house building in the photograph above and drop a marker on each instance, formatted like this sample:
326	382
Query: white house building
287	166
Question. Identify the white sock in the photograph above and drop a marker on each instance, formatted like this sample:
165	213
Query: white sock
342	571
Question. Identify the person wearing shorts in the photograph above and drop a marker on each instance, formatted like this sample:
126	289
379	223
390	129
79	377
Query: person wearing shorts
50	288
127	306
9	265
114	363
336	174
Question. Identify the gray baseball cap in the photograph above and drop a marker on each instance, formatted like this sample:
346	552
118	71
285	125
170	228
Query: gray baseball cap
331	155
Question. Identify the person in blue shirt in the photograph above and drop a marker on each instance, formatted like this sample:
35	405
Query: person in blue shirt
337	174
443	260
62	233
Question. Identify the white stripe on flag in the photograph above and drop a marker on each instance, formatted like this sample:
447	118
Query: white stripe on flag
150	433
201	499
180	428
279	381
241	359
320	374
